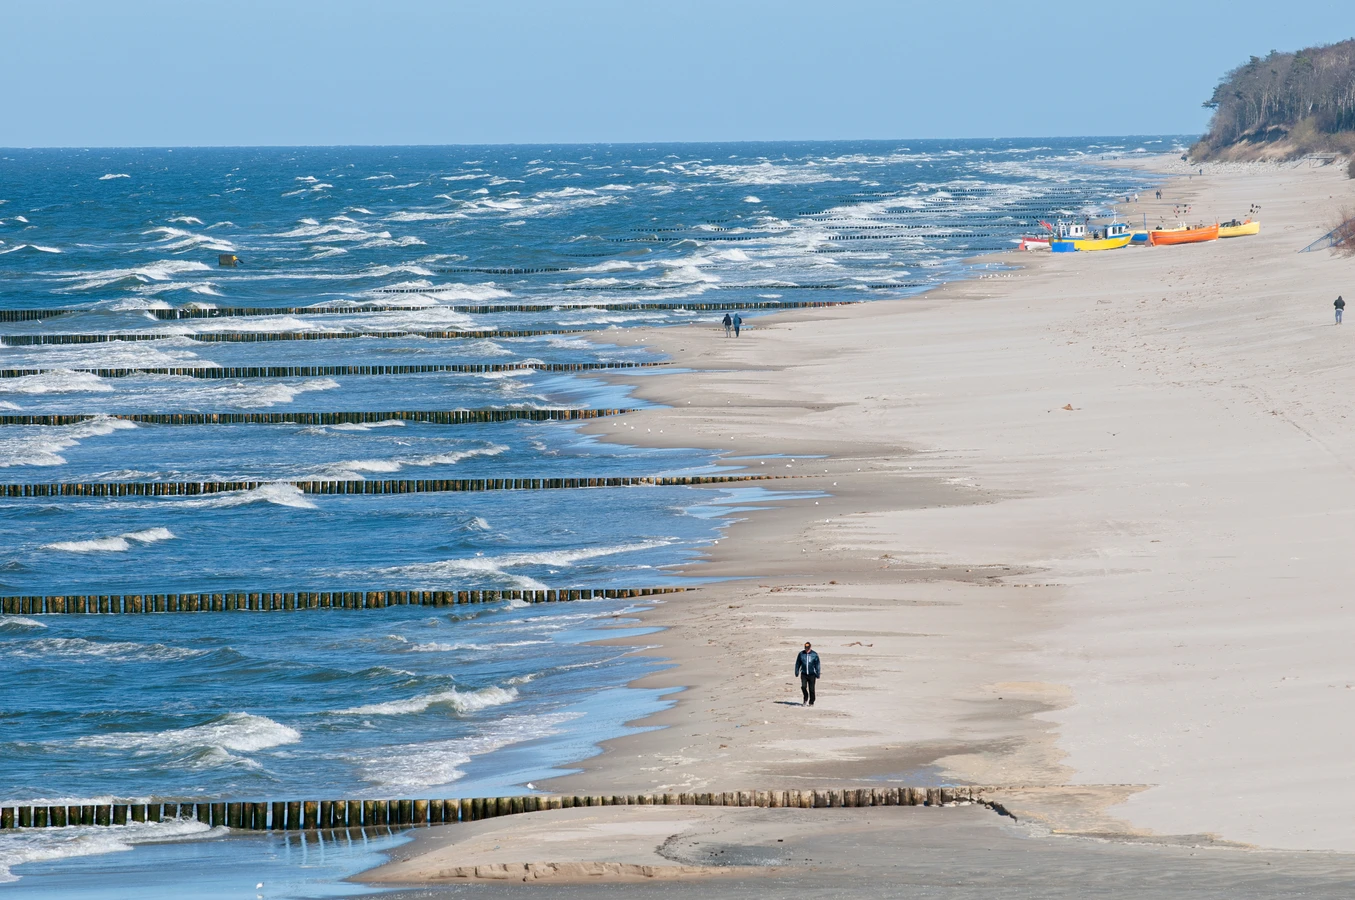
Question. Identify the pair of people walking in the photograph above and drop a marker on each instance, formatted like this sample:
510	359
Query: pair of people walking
807	667
735	323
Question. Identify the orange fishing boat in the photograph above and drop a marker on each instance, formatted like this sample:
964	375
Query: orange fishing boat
1183	235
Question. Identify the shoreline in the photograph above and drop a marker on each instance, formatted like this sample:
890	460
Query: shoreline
691	666
1059	552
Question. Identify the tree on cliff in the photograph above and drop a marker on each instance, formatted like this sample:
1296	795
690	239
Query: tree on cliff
1303	101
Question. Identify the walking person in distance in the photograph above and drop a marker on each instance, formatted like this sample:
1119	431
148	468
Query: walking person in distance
738	323
728	323
807	667
1340	308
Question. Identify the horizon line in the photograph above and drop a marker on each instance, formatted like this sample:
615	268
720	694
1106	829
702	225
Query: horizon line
609	143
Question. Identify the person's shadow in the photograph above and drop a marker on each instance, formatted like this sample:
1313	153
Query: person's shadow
788	702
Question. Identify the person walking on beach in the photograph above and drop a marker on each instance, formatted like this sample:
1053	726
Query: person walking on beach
807	667
728	323
1340	307
738	323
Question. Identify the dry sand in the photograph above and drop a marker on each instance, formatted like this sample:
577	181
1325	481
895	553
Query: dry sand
1139	607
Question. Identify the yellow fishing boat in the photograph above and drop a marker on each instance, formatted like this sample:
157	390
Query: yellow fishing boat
1110	243
1074	238
1239	229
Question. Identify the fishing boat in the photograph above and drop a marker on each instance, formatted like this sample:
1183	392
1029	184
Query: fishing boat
1034	242
1072	237
1182	235
1239	229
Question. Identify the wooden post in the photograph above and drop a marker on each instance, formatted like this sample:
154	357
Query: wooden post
233	816
279	817
310	810
353	819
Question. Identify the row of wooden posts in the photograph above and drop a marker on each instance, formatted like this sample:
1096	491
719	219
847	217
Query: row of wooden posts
399	486
266	601
432	416
487	308
251	337
310	815
221	312
316	371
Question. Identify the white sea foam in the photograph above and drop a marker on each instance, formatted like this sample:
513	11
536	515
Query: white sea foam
279	494
242	394
460	702
161	270
19	623
117	544
37	248
48	844
452	569
84	650
110	355
202	746
414	766
176	240
355	469
42	445
439	647
751	199
187	220
364	426
56	382
110	176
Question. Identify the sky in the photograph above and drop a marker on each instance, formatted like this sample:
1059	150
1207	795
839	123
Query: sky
116	73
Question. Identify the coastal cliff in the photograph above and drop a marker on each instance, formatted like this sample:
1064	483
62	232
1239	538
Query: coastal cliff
1283	106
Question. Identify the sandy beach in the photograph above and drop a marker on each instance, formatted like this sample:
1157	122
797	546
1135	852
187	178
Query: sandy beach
1080	531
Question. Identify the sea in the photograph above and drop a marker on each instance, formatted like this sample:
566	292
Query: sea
510	258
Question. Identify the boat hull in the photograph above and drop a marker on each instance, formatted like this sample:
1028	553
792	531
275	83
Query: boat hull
1114	243
1087	245
1185	236
1246	228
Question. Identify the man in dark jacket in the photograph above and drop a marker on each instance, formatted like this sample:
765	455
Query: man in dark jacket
728	323
1340	308
807	667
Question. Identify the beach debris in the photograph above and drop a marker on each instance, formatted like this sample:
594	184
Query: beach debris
1067	406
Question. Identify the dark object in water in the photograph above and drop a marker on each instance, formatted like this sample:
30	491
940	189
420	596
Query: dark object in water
228	259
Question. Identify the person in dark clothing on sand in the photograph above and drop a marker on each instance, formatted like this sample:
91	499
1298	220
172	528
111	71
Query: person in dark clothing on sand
728	323
738	323
807	667
1340	308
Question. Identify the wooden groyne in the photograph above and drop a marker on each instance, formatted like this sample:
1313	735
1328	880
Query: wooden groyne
432	416
252	337
319	371
400	486
488	308
324	815
273	601
226	312
33	315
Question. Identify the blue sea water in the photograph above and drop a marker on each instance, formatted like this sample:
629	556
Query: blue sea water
405	701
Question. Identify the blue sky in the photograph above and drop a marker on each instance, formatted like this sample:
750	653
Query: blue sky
185	72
